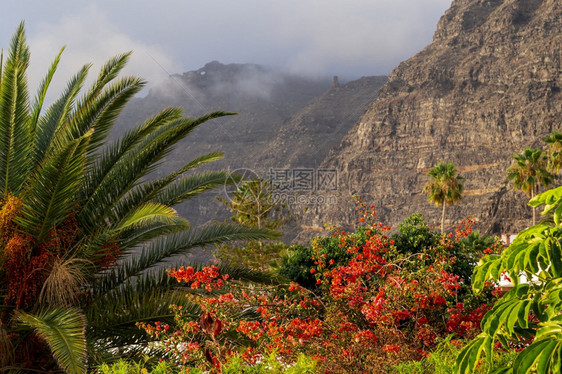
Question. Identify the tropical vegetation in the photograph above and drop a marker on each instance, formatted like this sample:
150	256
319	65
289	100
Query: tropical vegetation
86	233
82	228
254	203
367	310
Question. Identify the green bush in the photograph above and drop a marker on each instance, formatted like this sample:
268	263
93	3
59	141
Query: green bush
297	261
414	235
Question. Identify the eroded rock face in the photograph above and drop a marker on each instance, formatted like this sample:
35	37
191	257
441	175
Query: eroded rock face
488	85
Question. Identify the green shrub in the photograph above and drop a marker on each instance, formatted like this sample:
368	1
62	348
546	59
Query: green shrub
414	235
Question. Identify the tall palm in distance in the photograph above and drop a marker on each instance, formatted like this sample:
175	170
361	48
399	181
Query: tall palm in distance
74	207
528	172
444	187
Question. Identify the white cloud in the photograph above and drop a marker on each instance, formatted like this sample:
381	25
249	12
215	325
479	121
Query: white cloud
90	37
344	37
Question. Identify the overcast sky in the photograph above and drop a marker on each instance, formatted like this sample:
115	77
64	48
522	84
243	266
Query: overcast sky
349	38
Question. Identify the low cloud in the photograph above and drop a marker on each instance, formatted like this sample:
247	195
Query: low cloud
349	38
90	37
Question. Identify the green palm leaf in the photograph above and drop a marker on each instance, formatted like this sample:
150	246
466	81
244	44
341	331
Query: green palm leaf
148	214
193	185
64	331
138	161
52	194
56	116
15	130
37	106
146	191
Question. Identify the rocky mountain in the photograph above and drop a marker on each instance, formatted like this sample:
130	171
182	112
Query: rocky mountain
487	86
283	121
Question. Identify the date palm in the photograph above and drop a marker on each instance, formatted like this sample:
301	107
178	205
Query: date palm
528	172
444	187
75	207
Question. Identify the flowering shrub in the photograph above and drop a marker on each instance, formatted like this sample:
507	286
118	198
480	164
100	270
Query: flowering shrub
376	308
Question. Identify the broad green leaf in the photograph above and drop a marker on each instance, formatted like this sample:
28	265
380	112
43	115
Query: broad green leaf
546	357
528	357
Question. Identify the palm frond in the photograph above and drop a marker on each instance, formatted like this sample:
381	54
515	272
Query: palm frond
64	332
15	131
164	248
56	116
109	71
113	317
52	194
149	214
132	237
120	92
37	105
146	191
138	161
100	113
101	172
193	185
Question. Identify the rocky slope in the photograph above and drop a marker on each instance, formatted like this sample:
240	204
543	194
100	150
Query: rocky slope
488	85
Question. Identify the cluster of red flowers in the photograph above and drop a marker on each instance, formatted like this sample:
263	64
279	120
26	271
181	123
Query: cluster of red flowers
209	277
465	322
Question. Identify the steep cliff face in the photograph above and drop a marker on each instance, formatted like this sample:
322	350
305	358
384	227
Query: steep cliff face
487	86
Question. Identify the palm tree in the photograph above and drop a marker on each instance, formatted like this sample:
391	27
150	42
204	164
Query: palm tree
554	151
444	187
74	207
528	172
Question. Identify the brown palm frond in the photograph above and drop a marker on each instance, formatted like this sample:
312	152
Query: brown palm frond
64	282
